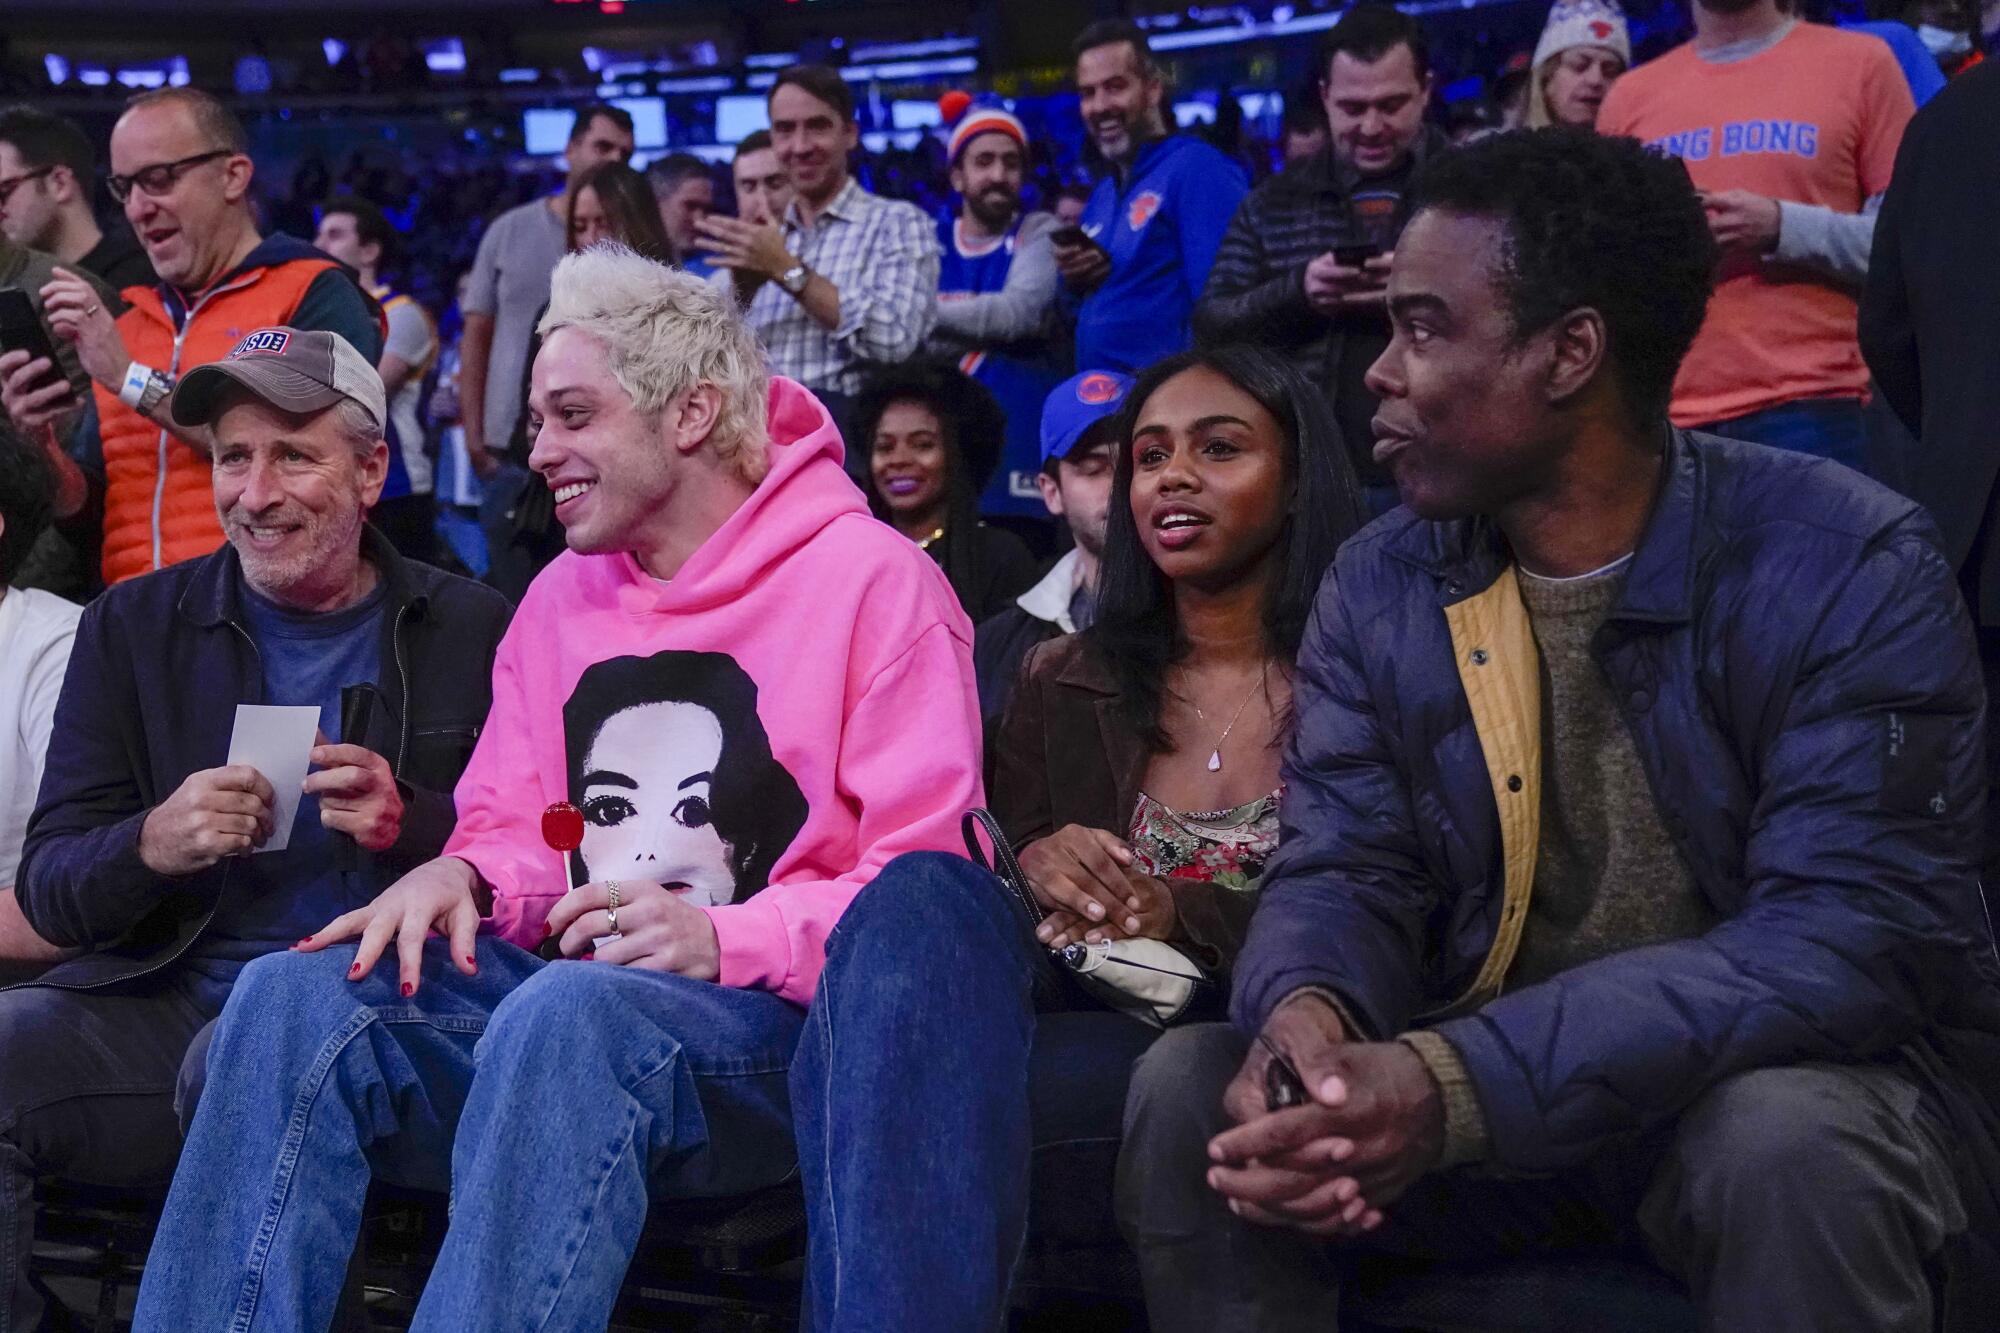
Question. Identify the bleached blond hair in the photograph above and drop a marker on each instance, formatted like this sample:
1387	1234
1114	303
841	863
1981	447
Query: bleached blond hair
664	332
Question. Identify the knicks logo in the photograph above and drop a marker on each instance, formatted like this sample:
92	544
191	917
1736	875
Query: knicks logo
1096	388
1142	210
1600	30
264	342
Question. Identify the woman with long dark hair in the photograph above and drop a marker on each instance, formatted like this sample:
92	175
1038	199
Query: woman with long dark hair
1138	775
933	437
614	203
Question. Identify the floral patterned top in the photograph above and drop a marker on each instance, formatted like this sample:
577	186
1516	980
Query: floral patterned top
1227	848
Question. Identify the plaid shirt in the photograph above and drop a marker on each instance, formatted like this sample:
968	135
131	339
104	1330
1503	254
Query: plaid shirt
882	255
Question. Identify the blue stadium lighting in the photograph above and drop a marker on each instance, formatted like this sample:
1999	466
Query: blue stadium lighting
90	76
58	69
334	49
519	75
943	46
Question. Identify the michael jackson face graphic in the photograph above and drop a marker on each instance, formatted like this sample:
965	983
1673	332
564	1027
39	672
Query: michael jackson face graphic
673	771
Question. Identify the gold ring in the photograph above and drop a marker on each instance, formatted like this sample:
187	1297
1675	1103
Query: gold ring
611	912
91	310
611	915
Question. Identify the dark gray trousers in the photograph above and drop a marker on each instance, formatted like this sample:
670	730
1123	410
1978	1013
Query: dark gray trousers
88	1081
1805	1198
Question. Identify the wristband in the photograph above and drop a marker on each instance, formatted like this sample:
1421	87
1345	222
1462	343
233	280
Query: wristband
137	377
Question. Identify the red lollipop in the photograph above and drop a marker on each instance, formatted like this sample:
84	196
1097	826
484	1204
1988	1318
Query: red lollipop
562	827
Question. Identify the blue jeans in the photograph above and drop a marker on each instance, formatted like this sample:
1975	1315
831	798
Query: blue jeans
938	1116
1835	428
563	1095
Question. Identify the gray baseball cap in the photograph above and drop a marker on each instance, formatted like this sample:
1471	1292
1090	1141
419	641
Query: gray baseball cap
294	370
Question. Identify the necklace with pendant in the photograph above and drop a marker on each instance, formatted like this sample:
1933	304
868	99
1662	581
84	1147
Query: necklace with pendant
1215	755
924	543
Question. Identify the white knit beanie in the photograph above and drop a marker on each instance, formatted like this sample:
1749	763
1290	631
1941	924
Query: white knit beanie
1584	23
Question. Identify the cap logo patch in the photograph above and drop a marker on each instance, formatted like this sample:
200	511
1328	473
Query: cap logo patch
1095	389
264	342
1600	29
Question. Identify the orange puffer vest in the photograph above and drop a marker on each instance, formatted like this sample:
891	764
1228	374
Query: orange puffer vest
159	508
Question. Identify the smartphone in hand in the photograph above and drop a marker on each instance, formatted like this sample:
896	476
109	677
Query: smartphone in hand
1357	254
22	329
1073	235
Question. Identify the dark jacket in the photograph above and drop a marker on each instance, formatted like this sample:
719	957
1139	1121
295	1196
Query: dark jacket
1796	668
1930	320
159	666
1064	757
1256	291
1000	643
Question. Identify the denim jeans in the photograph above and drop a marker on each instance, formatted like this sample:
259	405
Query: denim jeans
938	1115
87	1087
564	1097
1835	428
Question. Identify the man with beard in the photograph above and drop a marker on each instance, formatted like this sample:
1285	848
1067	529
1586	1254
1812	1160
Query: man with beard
1150	231
996	294
180	165
48	173
1789	129
1620	906
139	851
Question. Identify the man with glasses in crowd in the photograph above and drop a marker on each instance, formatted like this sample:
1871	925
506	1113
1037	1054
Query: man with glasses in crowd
181	167
47	171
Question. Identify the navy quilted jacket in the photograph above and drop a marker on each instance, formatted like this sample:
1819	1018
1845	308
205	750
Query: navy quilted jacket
1795	663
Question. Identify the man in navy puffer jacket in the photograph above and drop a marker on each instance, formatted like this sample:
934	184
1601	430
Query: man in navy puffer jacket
1626	897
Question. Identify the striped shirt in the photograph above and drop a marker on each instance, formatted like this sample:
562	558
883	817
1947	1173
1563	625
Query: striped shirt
882	255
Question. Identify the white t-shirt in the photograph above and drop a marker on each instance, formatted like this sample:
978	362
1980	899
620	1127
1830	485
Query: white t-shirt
36	630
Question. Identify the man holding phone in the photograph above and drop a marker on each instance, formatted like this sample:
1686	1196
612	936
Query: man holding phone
1134	265
180	166
1304	266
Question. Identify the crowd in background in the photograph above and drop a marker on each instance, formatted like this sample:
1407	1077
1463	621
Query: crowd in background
1086	381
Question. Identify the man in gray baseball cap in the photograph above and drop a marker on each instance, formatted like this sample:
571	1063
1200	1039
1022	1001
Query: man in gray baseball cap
138	858
301	371
296	525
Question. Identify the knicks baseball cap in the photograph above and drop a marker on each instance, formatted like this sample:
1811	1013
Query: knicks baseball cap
294	370
1076	405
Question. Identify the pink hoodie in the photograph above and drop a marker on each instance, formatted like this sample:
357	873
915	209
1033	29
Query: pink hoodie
791	711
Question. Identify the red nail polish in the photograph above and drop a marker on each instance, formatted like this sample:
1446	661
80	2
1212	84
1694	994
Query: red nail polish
548	928
354	971
408	990
472	962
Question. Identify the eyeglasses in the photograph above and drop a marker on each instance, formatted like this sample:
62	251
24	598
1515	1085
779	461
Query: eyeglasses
161	177
13	183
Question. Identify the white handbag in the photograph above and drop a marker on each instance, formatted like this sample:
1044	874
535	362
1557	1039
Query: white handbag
1150	980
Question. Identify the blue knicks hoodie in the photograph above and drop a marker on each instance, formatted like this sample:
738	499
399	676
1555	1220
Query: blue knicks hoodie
1162	230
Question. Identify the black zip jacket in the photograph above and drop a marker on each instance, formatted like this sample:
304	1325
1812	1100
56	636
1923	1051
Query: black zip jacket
158	668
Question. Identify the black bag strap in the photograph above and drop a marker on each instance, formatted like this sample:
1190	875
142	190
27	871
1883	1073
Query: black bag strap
1051	992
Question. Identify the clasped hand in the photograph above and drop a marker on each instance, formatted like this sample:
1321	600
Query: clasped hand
1373	1126
1084	878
